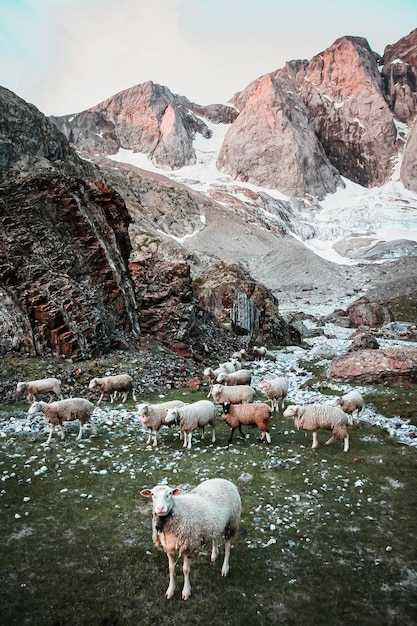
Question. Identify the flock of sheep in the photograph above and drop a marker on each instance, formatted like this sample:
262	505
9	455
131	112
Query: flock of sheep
181	521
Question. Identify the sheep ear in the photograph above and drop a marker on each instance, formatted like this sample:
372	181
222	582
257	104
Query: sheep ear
177	491
146	492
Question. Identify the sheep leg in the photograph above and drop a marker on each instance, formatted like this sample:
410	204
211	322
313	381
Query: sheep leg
93	426
315	443
171	568
133	395
346	443
225	566
155	440
80	433
148	441
214	550
231	435
329	441
190	436
186	590
100	398
213	434
202	433
51	430
267	435
241	431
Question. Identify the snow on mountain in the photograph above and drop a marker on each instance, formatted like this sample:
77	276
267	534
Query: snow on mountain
347	225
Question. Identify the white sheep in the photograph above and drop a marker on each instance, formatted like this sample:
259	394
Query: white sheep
120	383
211	374
236	364
182	521
350	402
240	377
236	394
258	352
315	417
251	414
275	390
34	388
192	416
66	410
153	416
228	366
240	355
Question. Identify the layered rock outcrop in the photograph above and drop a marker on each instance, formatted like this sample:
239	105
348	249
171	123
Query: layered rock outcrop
64	249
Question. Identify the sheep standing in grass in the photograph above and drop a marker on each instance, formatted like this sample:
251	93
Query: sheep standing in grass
192	416
252	414
275	390
66	410
182	521
153	416
211	374
350	402
34	388
121	383
240	377
315	417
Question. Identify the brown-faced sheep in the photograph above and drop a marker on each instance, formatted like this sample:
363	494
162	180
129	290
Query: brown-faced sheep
180	522
66	410
251	414
315	417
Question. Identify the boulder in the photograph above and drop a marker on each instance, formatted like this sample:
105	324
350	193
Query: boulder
389	365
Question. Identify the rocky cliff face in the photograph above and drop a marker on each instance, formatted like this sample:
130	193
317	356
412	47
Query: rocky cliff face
64	248
68	282
339	114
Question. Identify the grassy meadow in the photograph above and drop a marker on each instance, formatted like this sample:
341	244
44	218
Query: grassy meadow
326	537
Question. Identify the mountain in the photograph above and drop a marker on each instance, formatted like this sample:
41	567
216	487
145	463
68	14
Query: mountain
341	114
215	208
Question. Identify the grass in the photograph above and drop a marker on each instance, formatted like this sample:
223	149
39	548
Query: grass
326	538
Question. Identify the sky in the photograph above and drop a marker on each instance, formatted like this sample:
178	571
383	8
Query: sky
65	56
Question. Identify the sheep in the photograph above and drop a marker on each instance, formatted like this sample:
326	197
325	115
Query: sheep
275	390
181	521
66	410
350	402
192	416
122	383
34	388
236	364
228	366
258	353
240	355
252	414
236	394
314	417
240	377
153	416
211	374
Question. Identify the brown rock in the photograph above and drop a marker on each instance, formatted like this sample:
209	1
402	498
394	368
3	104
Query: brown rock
390	365
371	314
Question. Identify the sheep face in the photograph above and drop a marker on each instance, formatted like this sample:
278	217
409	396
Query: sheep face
93	384
226	407
171	417
161	498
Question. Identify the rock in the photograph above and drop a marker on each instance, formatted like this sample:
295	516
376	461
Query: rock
389	365
371	314
146	118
